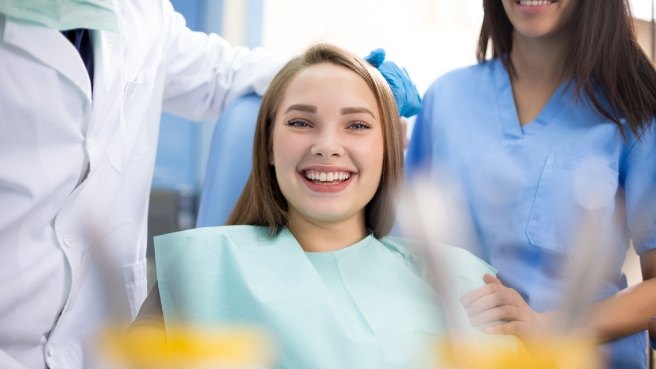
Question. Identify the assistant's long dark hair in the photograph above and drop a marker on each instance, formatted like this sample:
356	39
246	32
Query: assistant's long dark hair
603	54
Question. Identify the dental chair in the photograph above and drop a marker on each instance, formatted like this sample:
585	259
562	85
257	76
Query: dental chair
229	161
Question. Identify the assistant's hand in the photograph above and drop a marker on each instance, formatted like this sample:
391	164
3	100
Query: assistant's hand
496	303
407	98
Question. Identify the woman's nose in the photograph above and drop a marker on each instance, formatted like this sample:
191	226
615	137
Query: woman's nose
327	145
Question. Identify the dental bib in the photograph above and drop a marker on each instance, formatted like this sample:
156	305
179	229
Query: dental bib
62	14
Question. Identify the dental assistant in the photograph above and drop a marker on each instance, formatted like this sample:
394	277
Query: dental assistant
562	122
83	84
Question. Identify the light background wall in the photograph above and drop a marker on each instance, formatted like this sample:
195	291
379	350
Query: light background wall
427	37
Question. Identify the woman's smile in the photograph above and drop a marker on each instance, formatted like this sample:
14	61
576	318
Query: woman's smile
540	19
535	2
327	179
530	7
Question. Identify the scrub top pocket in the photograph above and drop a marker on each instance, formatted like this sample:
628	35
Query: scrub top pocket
569	191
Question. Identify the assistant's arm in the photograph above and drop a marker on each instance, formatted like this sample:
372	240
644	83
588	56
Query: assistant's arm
629	311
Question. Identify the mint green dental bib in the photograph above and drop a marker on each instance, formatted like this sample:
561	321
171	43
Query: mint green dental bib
364	306
63	14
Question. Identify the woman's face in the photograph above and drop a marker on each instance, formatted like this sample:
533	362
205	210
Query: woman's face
536	19
327	146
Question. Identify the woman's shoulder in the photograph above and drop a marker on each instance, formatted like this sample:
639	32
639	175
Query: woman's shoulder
404	247
185	250
464	266
408	247
236	233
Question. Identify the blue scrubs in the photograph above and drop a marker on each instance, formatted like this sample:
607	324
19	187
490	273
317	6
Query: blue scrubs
528	188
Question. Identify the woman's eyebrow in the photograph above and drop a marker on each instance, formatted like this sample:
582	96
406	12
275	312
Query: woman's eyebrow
302	107
356	110
313	109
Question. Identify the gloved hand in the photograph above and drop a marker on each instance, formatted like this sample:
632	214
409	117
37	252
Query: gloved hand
405	93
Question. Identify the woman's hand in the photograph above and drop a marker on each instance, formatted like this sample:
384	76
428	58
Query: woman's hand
496	303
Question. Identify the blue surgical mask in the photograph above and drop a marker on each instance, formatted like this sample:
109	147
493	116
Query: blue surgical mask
63	14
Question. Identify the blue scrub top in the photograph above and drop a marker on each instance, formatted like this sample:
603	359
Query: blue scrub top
368	305
528	188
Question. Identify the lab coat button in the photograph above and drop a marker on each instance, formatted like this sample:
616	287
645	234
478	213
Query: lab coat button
69	241
91	149
50	352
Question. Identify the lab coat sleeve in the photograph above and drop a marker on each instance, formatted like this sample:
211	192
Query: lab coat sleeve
640	191
204	73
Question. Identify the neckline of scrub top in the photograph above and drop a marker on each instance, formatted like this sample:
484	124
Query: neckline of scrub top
285	232
337	278
508	110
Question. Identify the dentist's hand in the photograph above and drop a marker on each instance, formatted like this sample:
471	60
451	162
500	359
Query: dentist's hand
502	310
405	92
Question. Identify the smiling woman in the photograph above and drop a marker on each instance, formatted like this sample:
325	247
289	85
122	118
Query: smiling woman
329	113
328	153
562	109
306	256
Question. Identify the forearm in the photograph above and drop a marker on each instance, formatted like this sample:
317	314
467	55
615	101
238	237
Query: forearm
625	313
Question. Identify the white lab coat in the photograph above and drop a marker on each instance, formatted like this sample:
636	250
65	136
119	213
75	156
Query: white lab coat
65	231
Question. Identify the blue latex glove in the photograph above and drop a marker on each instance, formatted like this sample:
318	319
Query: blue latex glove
405	93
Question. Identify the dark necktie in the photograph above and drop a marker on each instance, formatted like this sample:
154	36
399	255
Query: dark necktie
81	39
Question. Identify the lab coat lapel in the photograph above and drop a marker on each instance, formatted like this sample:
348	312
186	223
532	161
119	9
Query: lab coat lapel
50	47
109	84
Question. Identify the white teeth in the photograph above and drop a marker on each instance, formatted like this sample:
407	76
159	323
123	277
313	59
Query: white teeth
315	175
535	2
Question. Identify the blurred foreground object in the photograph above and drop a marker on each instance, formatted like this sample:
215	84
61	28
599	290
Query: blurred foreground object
538	353
427	215
149	347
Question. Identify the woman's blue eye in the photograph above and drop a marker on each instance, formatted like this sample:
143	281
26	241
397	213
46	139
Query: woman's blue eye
357	126
300	123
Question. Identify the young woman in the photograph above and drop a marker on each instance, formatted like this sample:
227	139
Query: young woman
306	257
556	129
